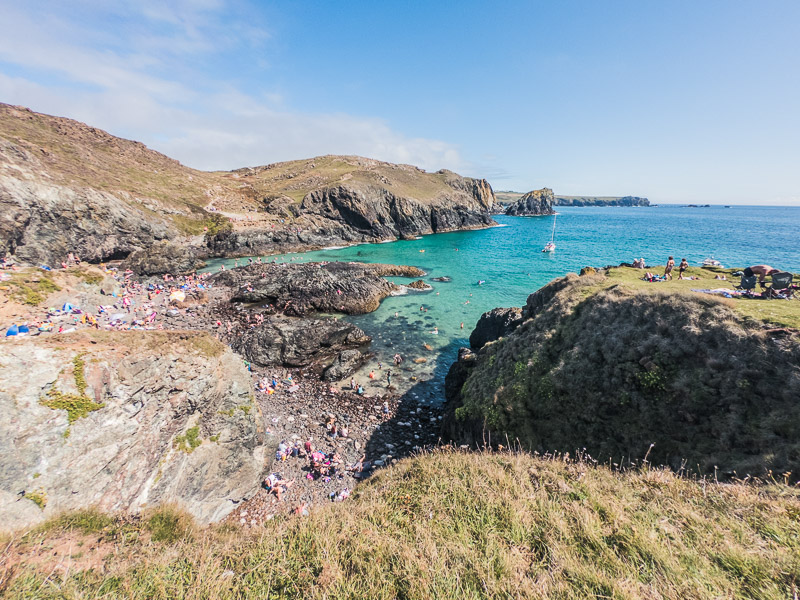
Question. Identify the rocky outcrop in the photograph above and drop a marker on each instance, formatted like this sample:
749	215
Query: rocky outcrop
600	201
300	289
535	203
493	325
124	421
344	365
613	368
40	223
305	343
162	258
69	187
419	285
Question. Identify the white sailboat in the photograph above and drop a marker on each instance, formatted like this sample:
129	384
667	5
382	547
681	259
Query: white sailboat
551	245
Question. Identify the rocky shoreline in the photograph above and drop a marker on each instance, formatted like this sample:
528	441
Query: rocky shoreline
299	364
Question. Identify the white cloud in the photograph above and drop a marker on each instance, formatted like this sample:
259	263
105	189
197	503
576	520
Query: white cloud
146	79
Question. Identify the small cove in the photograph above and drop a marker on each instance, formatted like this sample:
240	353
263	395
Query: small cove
510	261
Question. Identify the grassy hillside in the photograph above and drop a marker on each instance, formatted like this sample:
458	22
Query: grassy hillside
508	197
612	364
73	153
448	525
295	179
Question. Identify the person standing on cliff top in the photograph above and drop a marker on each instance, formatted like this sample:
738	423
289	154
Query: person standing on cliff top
682	267
669	267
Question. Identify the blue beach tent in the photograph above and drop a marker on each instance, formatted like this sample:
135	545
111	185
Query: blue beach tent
13	330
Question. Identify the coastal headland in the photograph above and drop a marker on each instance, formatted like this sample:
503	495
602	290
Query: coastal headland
622	367
170	433
69	187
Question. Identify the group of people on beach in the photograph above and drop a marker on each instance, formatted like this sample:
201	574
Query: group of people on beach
132	304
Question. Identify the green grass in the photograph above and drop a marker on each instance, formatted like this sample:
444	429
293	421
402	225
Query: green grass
188	441
169	524
89	275
90	521
39	498
77	405
783	313
32	286
612	364
455	525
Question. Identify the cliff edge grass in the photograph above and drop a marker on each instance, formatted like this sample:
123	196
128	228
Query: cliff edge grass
613	364
444	525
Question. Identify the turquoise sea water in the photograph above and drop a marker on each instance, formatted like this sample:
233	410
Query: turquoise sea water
510	260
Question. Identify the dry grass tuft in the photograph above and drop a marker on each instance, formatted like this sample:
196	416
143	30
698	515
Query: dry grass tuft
461	525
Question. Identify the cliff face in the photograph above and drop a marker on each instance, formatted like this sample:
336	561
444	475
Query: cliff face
613	368
41	221
371	201
68	187
125	420
600	201
535	203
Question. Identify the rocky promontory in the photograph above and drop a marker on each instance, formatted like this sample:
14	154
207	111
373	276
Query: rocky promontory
532	204
126	420
611	364
69	187
301	289
600	201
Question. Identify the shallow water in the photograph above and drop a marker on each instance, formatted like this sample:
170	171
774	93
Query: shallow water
510	260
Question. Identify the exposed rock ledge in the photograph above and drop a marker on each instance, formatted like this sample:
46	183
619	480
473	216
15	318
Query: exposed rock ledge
535	203
300	289
151	418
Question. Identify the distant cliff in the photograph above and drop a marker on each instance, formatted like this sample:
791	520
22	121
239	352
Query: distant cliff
535	203
600	201
68	187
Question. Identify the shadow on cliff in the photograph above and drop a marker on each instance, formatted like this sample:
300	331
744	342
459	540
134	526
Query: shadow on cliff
414	423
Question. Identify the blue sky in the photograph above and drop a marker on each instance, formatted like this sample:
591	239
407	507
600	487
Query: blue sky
678	101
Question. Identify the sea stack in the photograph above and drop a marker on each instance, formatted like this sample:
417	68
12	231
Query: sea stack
533	204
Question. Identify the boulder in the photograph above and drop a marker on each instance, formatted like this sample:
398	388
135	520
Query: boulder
164	258
123	421
495	324
344	365
304	343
